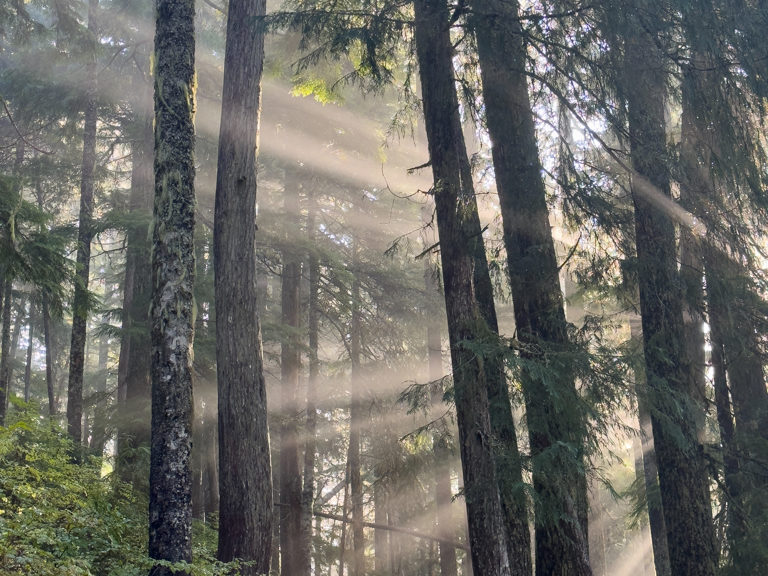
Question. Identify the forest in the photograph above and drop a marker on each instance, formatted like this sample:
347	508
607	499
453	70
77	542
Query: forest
383	287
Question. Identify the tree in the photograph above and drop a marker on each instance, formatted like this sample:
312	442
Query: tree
173	272
80	304
682	476
552	403
454	200
245	480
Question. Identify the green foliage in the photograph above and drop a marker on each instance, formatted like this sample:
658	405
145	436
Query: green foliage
58	518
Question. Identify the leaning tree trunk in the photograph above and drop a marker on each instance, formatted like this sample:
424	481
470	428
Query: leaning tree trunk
245	476
552	405
455	204
173	271
682	476
290	366
84	237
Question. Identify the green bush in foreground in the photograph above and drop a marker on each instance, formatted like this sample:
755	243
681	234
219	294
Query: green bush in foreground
63	519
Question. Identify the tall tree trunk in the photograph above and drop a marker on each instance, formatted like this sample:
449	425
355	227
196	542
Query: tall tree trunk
30	348
15	335
682	476
245	476
49	379
455	204
290	366
5	352
310	446
84	237
649	467
101	405
552	407
173	272
134	382
440	448
356	425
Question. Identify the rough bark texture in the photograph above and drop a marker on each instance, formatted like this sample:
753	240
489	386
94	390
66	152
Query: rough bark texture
173	271
561	547
455	205
134	385
245	476
650	467
310	448
682	477
290	365
84	237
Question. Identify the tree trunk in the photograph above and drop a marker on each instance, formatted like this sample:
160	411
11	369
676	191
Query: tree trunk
5	353
553	417
650	468
290	366
15	335
173	271
440	448
310	447
49	380
84	237
245	476
134	382
30	348
355	426
682	476
455	204
99	433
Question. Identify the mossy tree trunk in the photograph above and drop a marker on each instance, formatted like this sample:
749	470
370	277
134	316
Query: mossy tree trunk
173	272
84	237
245	475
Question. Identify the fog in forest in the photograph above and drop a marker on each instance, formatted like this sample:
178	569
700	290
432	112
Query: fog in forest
383	288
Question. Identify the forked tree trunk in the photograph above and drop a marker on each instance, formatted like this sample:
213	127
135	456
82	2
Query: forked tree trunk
682	476
245	475
455	206
84	237
552	405
173	272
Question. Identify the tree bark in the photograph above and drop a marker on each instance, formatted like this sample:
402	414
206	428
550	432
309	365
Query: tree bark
30	348
356	425
134	382
5	353
455	205
245	476
49	380
84	237
173	272
290	366
650	467
310	446
682	477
